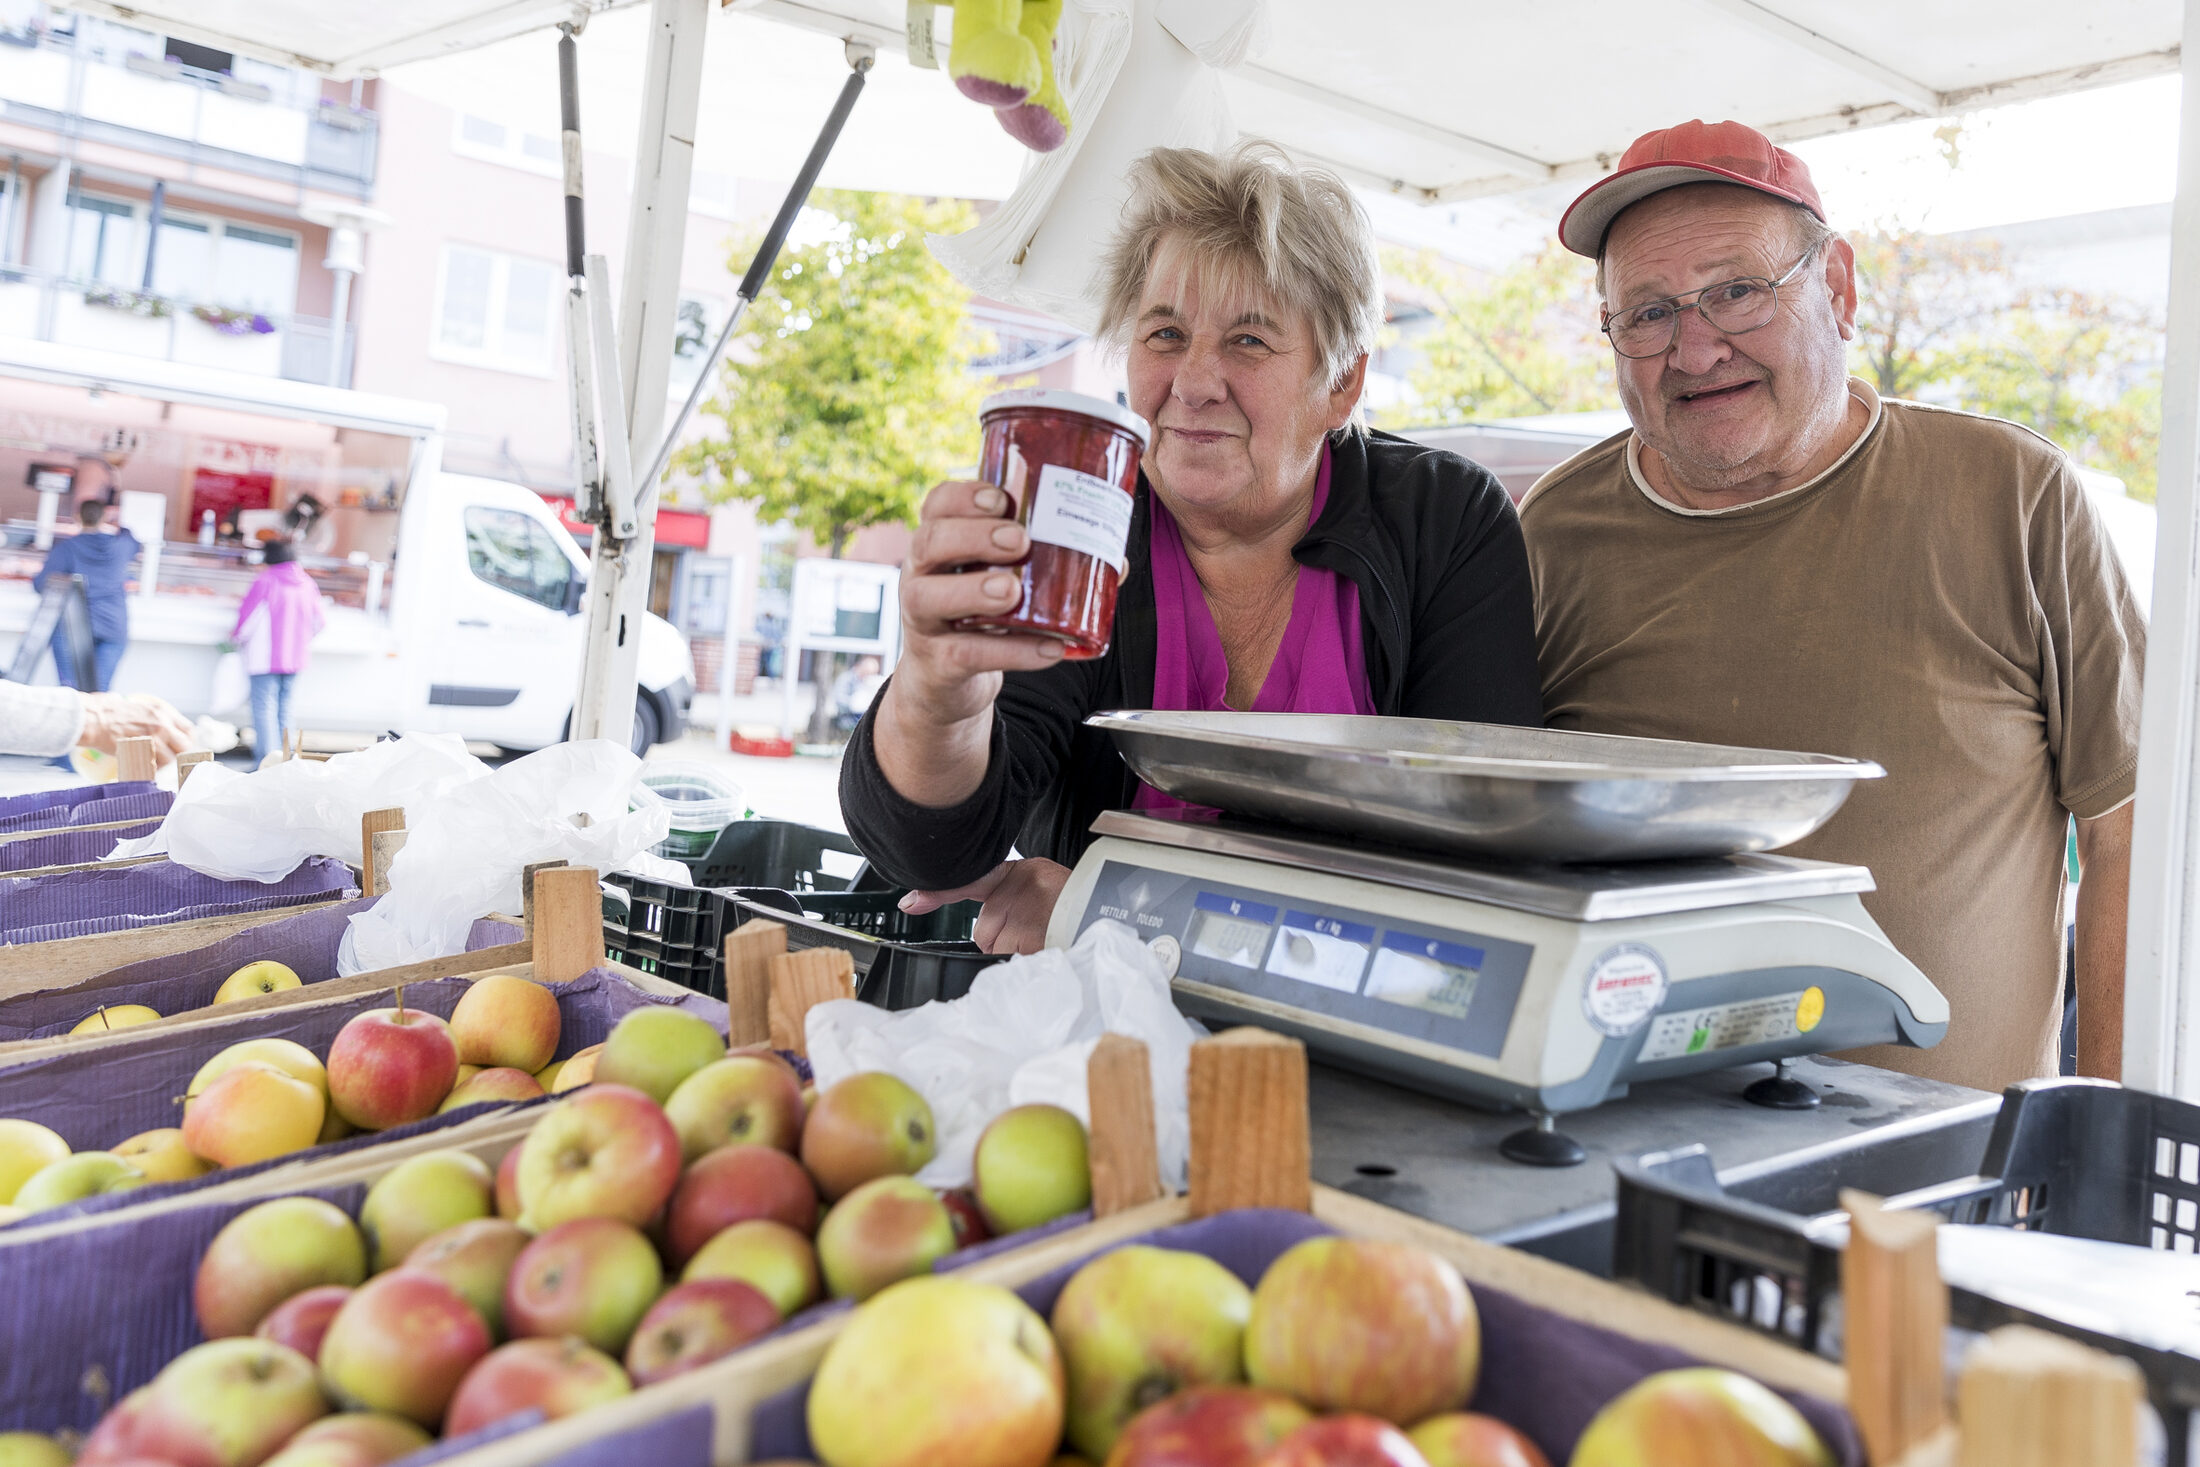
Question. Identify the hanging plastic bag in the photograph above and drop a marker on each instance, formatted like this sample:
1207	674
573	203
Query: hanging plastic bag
1021	1035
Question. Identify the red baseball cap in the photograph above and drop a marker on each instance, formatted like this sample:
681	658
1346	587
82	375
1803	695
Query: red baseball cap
1694	152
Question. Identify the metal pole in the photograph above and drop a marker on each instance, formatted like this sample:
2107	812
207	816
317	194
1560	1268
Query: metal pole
153	214
580	375
2162	972
339	308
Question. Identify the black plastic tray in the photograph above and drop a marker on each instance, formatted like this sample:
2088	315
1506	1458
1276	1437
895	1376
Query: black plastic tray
780	854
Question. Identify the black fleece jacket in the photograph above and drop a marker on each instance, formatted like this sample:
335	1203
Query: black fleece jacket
1447	625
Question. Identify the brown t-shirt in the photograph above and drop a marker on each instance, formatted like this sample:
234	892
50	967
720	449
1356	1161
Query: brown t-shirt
1943	600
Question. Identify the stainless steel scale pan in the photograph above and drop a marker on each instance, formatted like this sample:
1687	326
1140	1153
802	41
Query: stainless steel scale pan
1486	789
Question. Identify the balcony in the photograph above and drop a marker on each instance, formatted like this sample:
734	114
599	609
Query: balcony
160	106
82	313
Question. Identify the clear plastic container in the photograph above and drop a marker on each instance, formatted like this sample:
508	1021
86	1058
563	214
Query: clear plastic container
702	803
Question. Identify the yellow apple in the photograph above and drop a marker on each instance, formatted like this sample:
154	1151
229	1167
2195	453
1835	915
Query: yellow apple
25	1147
162	1156
291	1058
576	1070
547	1076
465	1072
507	1022
252	1112
74	1178
254	979
30	1449
115	1016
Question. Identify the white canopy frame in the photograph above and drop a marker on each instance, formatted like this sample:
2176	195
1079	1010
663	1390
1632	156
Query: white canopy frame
1445	130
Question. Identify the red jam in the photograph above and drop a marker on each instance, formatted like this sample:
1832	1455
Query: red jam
1070	466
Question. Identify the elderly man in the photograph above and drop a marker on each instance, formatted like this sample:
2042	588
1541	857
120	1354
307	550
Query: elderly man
1776	557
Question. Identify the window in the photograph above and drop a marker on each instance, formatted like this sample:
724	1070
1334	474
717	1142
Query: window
103	242
495	311
493	142
513	552
206	261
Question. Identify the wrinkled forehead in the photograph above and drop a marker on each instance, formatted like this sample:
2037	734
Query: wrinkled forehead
1675	241
1209	286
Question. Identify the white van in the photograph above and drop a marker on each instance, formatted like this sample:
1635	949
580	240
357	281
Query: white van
455	602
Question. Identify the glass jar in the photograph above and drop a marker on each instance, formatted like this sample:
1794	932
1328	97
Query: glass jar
1069	465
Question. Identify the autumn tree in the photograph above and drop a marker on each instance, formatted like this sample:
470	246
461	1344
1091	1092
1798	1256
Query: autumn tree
1920	299
1520	343
2080	369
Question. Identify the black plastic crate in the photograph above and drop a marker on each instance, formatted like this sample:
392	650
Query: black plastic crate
780	854
674	932
901	961
2082	1158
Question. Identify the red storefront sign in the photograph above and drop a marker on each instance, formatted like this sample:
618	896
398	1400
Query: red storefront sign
675	527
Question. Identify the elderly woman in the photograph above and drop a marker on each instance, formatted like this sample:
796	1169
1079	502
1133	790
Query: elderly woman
1292	560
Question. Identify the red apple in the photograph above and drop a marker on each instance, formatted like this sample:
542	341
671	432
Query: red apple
112	1441
888	1229
1138	1324
1470	1439
607	1151
302	1320
352	1439
963	1211
594	1277
772	1256
556	1377
744	1099
734	1184
868	1125
401	1344
1700	1414
507	1186
694	1324
1345	1441
1351	1324
1208	1426
506	1021
387	1067
226	1403
491	1087
474	1258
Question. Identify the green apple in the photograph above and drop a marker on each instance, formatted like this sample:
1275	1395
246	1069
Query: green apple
868	1125
773	1257
594	1277
474	1258
254	979
1031	1168
653	1049
227	1402
1700	1414
26	1147
74	1178
163	1155
420	1197
1139	1324
109	1017
605	1151
888	1229
743	1099
31	1449
267	1253
1469	1439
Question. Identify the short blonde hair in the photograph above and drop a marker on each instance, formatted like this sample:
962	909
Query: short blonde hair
1252	224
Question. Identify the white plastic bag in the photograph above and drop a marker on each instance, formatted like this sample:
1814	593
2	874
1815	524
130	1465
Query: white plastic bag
1021	1035
463	852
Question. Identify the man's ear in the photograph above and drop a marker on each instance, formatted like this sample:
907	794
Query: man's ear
1344	393
1841	284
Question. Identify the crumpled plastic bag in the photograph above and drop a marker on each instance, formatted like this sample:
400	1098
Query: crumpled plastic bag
259	826
464	852
1020	1036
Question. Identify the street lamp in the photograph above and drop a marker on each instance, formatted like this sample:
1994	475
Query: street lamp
347	226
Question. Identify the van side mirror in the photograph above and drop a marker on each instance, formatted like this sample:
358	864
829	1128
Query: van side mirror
576	591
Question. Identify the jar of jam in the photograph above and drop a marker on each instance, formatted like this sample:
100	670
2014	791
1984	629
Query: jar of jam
1069	465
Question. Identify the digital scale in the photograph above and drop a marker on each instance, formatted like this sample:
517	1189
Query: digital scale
1550	988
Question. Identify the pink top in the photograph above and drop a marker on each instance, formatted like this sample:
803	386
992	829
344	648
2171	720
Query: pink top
1319	668
281	614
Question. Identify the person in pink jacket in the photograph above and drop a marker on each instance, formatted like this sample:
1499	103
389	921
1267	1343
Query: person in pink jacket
278	621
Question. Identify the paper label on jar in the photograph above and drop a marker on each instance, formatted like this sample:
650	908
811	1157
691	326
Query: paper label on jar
1081	512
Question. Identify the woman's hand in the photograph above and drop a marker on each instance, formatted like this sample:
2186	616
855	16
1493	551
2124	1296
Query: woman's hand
1019	899
110	718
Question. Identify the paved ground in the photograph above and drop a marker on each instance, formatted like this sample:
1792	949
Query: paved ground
803	787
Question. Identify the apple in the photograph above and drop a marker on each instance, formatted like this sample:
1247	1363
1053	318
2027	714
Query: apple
574	1071
547	1076
962	1210
226	1403
694	1324
110	1438
109	1017
1345	1441
352	1439
284	1054
868	1125
774	1257
74	1178
1700	1414
607	1153
504	1021
507	1191
491	1087
420	1197
653	1049
1470	1439
1030	1168
938	1369
254	979
387	1067
253	1112
1208	1426
734	1184
31	1449
401	1343
555	1377
301	1321
748	1097
594	1277
334	1128
474	1258
1139	1324
888	1229
269	1252
11	1213
26	1147
1352	1324
162	1155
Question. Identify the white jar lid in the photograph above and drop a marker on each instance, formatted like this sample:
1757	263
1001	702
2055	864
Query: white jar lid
1062	400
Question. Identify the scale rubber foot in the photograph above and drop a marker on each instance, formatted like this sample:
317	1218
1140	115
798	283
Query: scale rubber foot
1781	1091
1542	1144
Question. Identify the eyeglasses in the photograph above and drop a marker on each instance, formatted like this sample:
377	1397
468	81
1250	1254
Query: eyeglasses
1735	307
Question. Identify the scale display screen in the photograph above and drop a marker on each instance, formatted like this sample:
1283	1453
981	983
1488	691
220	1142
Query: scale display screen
1423	973
1230	929
1322	950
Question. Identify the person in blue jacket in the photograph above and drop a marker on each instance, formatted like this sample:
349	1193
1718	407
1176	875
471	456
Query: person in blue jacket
101	553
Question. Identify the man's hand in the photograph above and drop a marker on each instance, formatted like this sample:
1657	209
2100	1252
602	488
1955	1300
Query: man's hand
2104	902
110	718
1019	899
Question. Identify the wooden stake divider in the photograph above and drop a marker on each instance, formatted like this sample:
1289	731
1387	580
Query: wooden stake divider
384	845
750	949
568	928
1251	1139
373	874
1121	1146
185	763
1895	1319
800	981
134	760
527	890
2028	1398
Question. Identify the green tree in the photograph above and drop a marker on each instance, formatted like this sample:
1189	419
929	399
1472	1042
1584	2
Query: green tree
2078	369
1517	344
847	394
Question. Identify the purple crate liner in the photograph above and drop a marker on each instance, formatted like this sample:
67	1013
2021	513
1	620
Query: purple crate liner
78	903
682	1439
150	805
176	983
68	847
22	812
1544	1374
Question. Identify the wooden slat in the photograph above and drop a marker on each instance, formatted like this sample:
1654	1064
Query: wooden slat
383	847
2028	1398
1126	1170
373	879
33	967
187	762
568	930
750	949
12	836
80	866
1894	1315
134	760
527	891
1251	1141
800	982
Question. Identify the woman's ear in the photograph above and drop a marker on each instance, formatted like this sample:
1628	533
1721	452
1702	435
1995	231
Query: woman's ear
1344	393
